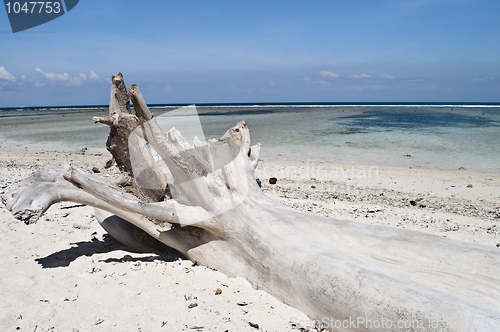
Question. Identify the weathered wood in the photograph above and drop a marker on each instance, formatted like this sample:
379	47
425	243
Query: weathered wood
338	272
128	148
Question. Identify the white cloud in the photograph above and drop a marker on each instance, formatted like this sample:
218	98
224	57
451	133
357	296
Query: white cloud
53	76
326	73
78	80
39	84
271	83
5	75
389	77
167	87
94	76
360	76
23	77
63	78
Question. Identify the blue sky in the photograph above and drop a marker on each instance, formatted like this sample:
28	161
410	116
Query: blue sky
257	51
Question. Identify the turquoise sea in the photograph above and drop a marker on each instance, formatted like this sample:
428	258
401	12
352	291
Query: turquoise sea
433	136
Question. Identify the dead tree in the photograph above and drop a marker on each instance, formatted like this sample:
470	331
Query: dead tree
347	275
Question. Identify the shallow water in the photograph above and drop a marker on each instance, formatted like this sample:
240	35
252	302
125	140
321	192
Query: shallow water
435	137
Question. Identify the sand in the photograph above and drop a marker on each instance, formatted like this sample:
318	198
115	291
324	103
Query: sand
65	274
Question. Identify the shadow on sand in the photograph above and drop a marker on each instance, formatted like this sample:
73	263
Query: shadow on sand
63	258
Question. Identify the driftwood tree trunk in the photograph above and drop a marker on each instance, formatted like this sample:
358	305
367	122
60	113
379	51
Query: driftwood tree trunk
349	276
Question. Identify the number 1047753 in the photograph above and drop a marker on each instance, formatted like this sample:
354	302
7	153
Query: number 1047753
33	7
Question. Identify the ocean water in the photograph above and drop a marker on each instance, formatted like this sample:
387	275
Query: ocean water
444	137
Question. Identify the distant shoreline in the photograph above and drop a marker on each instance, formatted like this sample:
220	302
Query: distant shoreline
270	104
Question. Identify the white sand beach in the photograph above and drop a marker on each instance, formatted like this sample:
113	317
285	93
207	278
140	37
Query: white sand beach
65	274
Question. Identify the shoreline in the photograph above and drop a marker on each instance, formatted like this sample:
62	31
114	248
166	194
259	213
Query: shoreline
65	272
420	137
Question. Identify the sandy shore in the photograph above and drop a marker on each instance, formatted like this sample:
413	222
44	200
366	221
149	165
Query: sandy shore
65	274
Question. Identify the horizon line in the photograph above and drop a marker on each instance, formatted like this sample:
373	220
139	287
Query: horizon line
228	104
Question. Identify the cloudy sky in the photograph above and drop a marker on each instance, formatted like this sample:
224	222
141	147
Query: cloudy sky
257	51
